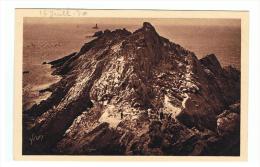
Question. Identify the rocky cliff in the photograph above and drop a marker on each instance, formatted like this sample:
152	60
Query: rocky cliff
136	93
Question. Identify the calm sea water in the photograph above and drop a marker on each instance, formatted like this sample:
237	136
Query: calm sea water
46	42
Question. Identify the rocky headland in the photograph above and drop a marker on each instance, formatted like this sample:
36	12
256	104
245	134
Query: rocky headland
137	93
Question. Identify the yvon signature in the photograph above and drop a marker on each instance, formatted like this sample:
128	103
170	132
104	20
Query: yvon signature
35	138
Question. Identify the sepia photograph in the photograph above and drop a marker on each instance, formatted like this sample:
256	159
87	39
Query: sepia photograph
131	86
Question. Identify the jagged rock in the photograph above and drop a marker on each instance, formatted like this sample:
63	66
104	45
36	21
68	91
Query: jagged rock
61	61
211	62
137	93
98	34
228	124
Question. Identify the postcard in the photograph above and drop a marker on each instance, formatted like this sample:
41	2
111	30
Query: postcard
130	85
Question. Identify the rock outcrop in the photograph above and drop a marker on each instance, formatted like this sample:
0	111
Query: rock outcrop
137	93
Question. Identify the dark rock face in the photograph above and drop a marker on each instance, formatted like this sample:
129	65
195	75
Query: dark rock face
137	93
98	34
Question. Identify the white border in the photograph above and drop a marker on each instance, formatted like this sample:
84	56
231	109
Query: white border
6	68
